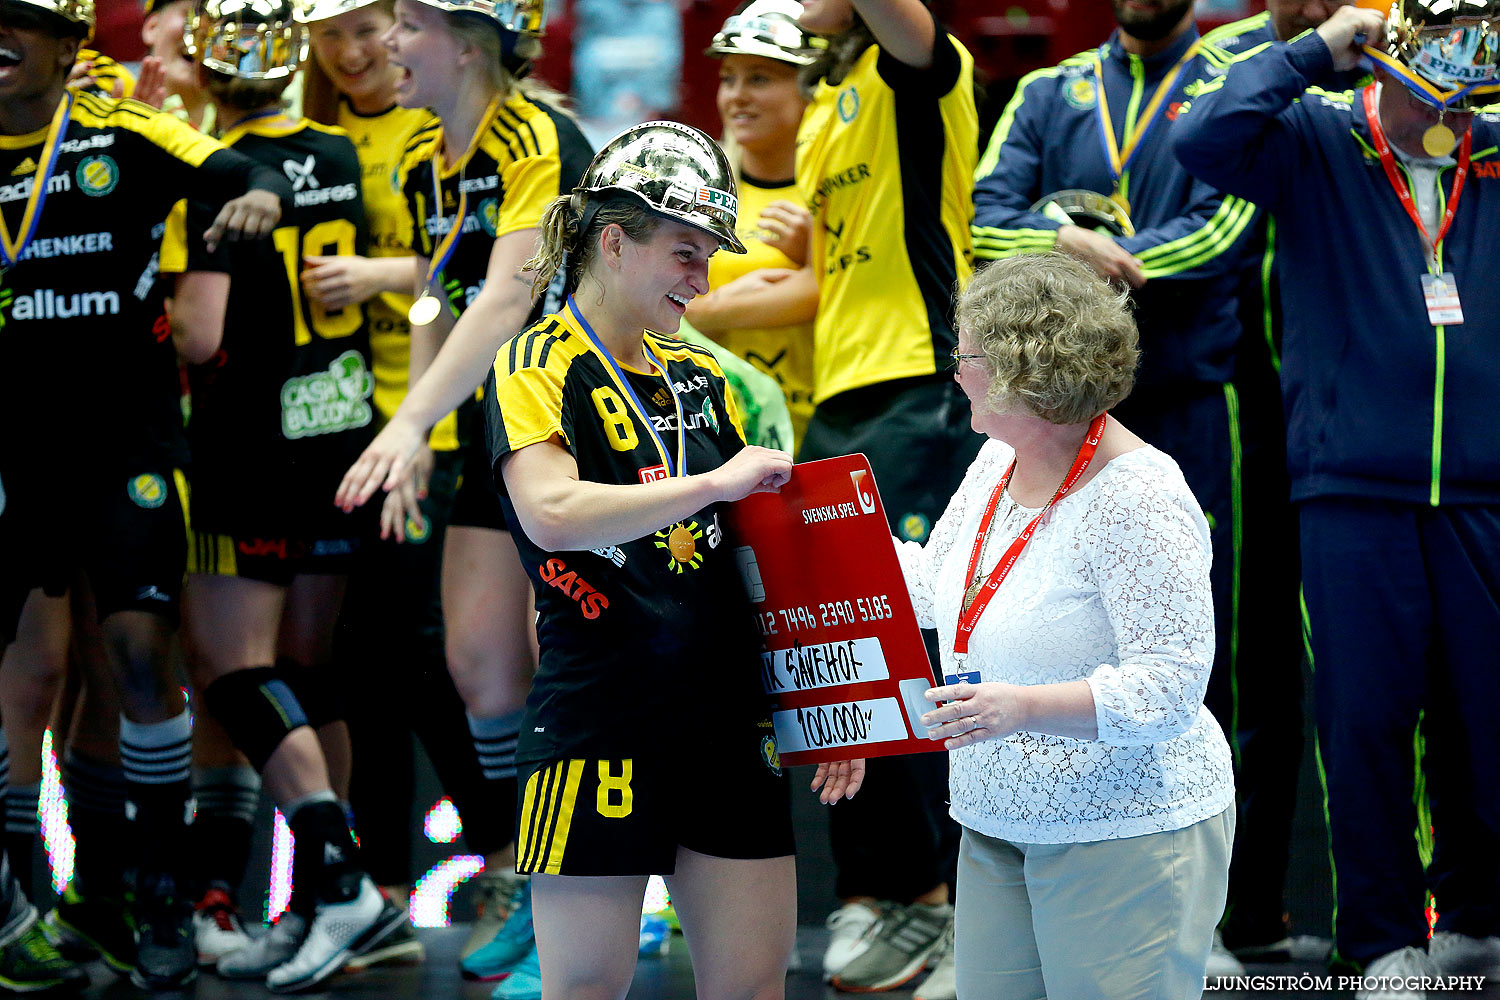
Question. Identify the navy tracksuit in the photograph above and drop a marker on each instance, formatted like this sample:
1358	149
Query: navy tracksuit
1394	467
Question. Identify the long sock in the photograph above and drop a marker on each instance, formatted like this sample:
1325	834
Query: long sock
157	758
13	904
7	877
96	812
20	832
228	799
495	740
325	865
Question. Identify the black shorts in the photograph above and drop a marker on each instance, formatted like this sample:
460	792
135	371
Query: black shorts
477	502
271	560
127	532
629	816
19	572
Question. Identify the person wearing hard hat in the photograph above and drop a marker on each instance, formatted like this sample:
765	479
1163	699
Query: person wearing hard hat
1388	371
617	446
90	180
476	181
761	51
279	409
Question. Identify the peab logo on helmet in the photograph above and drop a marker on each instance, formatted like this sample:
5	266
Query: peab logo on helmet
718	198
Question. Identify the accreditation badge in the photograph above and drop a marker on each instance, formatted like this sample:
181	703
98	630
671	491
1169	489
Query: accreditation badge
1441	293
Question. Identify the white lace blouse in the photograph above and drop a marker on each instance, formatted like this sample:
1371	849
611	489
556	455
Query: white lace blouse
1112	589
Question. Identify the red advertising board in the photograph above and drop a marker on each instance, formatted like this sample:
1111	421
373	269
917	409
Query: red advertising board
842	655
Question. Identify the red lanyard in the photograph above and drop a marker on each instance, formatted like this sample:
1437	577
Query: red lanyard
968	619
1388	161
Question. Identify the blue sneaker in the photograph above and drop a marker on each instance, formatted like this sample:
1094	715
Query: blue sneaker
656	934
524	981
511	943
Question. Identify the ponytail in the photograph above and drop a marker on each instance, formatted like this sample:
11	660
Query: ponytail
569	236
557	235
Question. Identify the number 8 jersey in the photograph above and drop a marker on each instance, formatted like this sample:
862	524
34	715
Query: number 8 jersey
628	631
286	405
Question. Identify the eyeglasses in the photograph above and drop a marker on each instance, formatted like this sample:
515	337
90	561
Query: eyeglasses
957	358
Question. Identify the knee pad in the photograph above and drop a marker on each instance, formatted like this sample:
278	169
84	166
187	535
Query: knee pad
258	708
321	696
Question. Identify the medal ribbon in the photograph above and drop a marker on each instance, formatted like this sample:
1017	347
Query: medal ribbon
969	617
11	251
1388	161
449	243
243	125
1119	158
623	383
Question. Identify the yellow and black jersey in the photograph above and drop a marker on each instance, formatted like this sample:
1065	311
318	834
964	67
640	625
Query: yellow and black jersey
885	161
85	358
379	140
523	155
783	352
285	407
625	631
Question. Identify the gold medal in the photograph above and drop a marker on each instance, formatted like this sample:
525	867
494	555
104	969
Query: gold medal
424	310
680	543
1119	199
1438	140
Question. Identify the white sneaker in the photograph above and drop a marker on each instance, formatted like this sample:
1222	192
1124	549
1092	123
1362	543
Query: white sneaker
1221	961
1462	955
942	982
1391	967
851	928
217	930
266	952
338	932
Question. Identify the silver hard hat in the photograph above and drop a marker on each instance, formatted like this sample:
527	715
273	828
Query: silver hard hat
524	17
674	170
77	15
1446	51
321	10
1089	209
247	39
769	29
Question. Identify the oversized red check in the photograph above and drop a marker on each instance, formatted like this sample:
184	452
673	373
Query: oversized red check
843	657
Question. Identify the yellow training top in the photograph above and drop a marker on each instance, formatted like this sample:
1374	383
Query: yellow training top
783	352
379	139
885	161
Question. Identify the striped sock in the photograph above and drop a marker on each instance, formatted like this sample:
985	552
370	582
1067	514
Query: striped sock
21	831
228	799
5	868
158	768
96	812
495	743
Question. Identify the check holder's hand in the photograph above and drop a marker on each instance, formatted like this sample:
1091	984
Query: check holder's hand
973	712
838	779
752	470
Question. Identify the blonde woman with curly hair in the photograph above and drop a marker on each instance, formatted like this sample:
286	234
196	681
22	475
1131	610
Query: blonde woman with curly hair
1068	583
